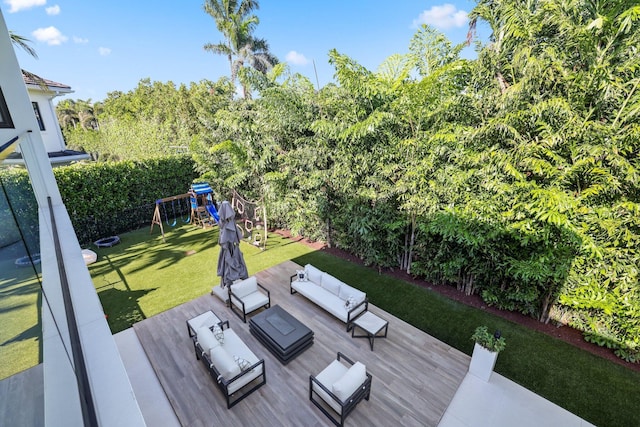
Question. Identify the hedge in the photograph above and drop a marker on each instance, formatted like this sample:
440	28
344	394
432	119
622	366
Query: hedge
102	199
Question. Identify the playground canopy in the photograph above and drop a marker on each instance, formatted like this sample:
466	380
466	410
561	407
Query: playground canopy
202	205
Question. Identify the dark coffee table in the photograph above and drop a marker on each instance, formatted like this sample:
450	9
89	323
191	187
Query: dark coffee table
283	335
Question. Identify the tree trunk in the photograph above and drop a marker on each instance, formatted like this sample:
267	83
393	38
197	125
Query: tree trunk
465	282
547	304
411	242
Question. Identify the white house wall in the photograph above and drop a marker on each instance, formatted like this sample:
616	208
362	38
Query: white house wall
51	135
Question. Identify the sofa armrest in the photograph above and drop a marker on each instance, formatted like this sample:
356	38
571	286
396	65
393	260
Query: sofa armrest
291	290
266	290
353	309
313	380
341	356
227	382
233	297
222	325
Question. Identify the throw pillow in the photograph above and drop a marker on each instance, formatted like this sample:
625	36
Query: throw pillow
350	381
350	303
302	275
217	332
313	274
206	339
224	363
242	363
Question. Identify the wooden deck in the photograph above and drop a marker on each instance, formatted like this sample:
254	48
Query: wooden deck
415	376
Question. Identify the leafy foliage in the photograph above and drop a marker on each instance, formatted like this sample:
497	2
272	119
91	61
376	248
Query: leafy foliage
513	176
492	342
105	199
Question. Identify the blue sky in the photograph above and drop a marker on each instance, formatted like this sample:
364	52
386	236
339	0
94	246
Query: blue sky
101	46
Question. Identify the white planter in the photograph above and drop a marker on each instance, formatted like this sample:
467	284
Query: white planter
482	362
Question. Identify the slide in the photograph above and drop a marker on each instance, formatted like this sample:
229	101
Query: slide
213	212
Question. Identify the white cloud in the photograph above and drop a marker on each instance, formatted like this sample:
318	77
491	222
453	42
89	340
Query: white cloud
104	51
80	40
296	58
53	10
444	16
18	5
50	35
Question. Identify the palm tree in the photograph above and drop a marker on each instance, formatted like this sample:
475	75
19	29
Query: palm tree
22	42
67	113
87	113
236	23
255	53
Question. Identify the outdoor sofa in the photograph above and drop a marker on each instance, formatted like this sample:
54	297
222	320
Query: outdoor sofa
235	369
339	388
336	297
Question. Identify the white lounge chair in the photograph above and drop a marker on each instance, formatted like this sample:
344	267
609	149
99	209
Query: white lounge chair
339	388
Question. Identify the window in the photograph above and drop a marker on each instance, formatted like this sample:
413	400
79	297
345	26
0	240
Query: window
36	109
5	117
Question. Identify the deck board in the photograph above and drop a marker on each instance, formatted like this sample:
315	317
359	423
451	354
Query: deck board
415	376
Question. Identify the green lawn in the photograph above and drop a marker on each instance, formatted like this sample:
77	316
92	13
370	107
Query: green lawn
603	393
20	330
144	276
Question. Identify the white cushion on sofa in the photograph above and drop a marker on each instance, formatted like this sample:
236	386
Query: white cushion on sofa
313	274
327	378
331	284
205	319
325	299
350	381
206	338
234	345
251	301
347	291
246	287
224	362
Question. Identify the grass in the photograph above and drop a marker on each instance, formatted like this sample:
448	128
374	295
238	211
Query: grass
603	393
21	330
144	276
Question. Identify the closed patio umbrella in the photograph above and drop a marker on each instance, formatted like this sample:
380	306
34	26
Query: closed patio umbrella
231	265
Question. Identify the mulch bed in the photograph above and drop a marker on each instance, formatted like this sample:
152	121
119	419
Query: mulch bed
565	333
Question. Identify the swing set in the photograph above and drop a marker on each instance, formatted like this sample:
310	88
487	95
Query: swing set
175	200
198	208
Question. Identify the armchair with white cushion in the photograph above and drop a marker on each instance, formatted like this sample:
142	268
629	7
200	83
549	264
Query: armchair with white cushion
339	388
248	296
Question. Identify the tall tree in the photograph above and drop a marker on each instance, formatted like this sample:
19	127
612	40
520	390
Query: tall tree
237	25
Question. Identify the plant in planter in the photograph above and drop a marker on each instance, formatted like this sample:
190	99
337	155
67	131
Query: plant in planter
485	352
